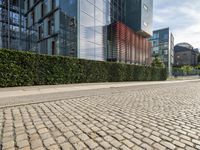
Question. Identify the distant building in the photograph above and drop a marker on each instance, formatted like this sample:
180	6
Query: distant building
185	54
163	47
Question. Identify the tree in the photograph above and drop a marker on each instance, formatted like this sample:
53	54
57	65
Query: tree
157	62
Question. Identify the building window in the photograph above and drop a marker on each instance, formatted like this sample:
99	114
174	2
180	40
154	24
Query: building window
40	31
27	25
72	22
155	43
166	36
166	45
155	35
165	52
28	4
53	47
42	10
33	17
145	24
49	27
156	50
146	7
53	4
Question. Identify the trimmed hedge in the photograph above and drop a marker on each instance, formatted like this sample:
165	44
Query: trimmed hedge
19	68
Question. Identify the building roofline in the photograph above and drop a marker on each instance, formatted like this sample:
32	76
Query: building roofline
185	45
161	29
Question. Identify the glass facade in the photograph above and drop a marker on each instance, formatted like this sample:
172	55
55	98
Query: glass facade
95	16
93	21
68	28
52	27
163	46
12	24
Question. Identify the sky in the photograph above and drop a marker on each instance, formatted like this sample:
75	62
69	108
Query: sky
182	17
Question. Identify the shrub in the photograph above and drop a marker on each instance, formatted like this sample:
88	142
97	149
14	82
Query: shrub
19	68
185	70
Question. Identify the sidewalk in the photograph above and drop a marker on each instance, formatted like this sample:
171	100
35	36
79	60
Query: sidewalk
37	90
184	78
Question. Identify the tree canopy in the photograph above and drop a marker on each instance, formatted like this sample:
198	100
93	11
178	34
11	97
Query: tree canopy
157	62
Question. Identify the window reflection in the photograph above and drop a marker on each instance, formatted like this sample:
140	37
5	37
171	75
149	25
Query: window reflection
87	50
93	19
87	33
87	7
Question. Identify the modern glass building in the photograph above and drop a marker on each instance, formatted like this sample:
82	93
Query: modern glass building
163	47
83	28
12	24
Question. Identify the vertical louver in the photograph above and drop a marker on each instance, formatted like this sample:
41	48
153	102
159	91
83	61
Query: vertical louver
128	46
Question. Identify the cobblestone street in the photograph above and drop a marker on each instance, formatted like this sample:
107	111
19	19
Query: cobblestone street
153	118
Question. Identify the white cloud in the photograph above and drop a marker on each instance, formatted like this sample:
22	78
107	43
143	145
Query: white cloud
183	18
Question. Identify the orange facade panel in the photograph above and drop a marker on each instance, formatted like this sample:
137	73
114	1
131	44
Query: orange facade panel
129	46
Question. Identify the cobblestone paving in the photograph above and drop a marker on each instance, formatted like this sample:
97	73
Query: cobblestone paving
153	118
